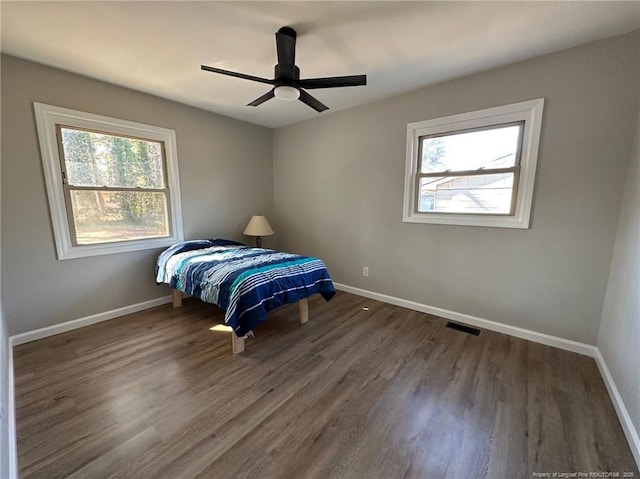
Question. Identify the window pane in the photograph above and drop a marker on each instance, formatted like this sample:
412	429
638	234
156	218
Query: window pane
99	159
481	194
470	150
107	216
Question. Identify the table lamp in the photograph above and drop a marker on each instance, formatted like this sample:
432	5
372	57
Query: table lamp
258	226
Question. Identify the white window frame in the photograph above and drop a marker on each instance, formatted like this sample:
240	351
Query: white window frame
528	111
47	117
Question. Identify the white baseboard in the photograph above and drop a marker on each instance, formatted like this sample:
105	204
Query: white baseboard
86	321
623	414
569	345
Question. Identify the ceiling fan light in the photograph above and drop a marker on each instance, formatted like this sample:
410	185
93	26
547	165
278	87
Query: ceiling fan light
286	93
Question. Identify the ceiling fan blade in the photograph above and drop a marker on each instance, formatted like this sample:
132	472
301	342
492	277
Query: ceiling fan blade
333	82
237	75
312	102
286	47
259	101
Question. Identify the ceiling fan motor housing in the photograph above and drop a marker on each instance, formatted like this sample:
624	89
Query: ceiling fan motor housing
284	80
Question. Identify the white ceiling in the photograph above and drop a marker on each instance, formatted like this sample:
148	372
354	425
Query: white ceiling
158	47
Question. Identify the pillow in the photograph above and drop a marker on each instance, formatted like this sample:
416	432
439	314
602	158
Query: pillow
189	245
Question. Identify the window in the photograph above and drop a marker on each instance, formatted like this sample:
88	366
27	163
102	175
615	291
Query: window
473	169
112	184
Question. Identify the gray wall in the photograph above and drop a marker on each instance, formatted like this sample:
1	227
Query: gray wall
225	177
620	326
338	189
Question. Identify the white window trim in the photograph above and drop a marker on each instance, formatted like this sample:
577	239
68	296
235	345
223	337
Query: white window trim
47	116
529	111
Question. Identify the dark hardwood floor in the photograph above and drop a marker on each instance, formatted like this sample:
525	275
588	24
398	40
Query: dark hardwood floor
354	393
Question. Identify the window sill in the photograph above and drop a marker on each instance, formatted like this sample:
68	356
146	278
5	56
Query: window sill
489	221
72	252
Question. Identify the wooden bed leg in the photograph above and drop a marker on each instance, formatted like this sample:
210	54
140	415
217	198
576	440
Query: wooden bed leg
303	310
177	298
237	344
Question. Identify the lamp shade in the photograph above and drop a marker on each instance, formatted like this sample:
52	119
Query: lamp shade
258	226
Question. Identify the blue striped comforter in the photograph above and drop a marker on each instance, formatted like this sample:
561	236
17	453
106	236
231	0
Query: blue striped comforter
246	283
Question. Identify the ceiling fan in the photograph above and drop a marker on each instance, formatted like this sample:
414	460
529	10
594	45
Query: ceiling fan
287	84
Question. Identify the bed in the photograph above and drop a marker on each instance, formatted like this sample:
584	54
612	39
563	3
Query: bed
245	282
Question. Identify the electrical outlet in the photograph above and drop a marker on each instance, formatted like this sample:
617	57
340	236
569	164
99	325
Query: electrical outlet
365	271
